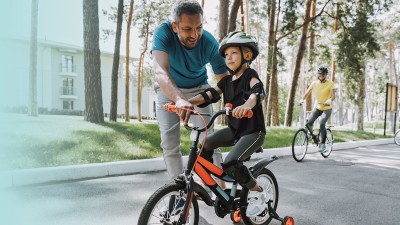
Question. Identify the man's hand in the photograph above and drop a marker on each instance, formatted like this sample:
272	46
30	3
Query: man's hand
240	111
181	106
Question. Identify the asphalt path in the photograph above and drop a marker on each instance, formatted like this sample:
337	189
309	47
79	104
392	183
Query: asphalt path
353	186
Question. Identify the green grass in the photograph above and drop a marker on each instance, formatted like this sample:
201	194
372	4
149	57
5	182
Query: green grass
68	140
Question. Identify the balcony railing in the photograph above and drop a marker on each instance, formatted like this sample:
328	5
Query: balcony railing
67	68
68	91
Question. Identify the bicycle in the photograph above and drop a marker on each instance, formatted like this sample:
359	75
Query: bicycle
177	203
304	136
397	138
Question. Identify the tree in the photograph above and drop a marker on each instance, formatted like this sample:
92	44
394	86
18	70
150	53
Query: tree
115	68
92	73
299	59
357	44
147	17
127	61
33	109
146	21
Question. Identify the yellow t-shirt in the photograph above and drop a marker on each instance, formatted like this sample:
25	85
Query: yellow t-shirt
322	92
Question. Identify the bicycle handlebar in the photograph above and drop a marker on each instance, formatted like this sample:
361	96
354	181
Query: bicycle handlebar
226	111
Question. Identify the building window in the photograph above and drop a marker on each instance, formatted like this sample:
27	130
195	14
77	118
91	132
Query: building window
67	63
68	86
68	105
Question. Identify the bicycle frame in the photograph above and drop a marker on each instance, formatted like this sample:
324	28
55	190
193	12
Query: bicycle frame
203	168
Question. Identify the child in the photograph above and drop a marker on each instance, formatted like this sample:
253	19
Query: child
244	90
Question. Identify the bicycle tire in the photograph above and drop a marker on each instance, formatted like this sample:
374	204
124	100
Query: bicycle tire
267	179
397	138
328	143
152	212
299	145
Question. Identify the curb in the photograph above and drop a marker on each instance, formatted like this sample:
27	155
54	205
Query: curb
24	177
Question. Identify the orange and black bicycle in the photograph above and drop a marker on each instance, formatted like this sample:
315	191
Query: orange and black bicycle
177	203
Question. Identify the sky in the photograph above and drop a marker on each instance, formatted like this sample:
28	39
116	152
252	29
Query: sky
62	21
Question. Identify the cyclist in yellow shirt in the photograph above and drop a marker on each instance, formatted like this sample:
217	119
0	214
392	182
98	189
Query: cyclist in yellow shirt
324	93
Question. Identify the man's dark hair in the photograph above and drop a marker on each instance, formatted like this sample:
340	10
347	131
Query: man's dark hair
190	7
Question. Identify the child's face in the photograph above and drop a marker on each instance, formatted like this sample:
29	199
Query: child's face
233	57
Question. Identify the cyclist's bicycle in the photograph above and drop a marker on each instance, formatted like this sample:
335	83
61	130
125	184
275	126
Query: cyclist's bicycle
305	136
177	203
397	138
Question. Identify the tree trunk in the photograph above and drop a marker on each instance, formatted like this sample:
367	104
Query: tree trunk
311	52
223	18
248	28
33	107
271	43
140	70
360	103
335	27
114	73
127	61
93	95
242	16
233	15
274	93
299	58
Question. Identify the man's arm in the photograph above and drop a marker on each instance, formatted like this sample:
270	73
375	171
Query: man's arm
168	86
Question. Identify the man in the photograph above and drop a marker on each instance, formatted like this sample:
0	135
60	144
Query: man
180	51
324	93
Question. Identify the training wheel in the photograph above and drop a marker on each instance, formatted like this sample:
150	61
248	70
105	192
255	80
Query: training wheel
235	216
288	220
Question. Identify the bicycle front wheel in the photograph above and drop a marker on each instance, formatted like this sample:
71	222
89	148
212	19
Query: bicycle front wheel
165	206
328	143
397	138
299	145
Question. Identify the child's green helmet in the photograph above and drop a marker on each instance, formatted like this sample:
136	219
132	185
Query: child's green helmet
238	39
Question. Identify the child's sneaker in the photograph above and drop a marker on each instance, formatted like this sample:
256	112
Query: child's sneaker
257	203
322	148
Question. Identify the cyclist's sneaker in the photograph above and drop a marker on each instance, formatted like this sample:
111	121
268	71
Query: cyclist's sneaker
257	203
177	209
322	148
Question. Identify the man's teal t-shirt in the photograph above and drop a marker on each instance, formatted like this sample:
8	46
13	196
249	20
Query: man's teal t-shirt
187	66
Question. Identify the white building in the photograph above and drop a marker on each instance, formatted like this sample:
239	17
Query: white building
60	79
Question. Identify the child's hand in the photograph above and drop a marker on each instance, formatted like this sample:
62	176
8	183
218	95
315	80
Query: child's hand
240	111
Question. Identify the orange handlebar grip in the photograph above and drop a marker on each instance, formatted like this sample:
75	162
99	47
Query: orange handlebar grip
170	108
249	114
228	105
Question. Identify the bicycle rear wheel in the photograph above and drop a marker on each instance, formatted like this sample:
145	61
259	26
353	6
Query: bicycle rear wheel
397	138
328	143
267	180
165	207
299	145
